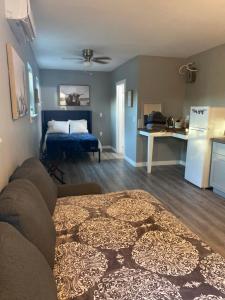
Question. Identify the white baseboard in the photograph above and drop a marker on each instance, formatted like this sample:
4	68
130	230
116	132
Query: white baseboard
109	147
166	163
154	163
114	149
134	163
130	161
141	164
144	164
182	163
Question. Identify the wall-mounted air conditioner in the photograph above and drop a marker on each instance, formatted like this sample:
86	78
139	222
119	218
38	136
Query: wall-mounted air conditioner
20	18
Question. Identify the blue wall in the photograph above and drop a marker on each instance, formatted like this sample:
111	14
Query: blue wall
130	72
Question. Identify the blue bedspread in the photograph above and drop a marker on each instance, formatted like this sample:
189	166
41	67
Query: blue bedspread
58	144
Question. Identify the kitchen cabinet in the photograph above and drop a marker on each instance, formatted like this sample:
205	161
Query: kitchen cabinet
217	177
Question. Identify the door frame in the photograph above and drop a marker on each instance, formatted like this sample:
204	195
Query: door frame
117	114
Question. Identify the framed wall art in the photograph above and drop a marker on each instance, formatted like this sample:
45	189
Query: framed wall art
17	80
74	95
130	98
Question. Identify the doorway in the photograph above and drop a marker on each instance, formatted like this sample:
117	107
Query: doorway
120	116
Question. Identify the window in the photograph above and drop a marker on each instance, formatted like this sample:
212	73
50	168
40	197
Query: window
33	112
37	92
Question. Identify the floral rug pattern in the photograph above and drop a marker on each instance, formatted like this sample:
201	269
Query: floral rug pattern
126	246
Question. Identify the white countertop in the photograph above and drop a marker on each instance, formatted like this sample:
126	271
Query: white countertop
151	135
164	134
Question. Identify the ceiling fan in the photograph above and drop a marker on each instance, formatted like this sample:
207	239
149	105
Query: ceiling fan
87	58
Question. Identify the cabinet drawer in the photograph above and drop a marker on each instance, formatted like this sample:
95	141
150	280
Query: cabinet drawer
218	172
219	148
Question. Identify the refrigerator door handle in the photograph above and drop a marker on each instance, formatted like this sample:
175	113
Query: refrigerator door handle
197	129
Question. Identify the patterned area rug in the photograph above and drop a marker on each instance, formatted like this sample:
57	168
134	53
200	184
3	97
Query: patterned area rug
126	246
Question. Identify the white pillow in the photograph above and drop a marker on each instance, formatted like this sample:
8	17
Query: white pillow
78	126
58	127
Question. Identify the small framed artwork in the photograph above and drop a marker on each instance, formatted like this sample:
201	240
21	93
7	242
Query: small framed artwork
18	87
36	95
130	98
74	95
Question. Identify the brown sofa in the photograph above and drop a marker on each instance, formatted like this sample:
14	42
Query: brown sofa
27	232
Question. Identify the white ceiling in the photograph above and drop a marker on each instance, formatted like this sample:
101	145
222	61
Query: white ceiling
123	29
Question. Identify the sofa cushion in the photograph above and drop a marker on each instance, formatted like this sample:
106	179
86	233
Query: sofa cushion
24	274
33	170
22	205
89	188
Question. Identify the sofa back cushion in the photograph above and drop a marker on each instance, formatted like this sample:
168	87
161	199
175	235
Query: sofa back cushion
22	205
24	272
33	170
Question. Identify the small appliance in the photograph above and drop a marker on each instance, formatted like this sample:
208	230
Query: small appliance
155	120
170	122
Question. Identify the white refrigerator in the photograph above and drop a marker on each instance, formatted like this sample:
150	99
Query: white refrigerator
205	123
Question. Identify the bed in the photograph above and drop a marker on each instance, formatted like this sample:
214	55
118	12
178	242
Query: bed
57	146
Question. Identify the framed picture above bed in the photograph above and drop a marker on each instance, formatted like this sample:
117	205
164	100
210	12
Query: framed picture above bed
18	86
74	95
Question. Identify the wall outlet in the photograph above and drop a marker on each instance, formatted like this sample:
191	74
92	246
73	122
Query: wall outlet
101	133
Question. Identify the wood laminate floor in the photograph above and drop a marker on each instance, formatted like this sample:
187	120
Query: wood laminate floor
201	210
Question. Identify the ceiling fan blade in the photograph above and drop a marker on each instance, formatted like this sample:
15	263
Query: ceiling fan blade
100	62
73	58
102	58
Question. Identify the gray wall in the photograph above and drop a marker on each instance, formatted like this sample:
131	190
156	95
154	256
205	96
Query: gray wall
130	72
165	149
159	82
100	87
20	138
154	80
209	89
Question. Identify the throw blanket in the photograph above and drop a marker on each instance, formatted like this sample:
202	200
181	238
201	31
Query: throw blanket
126	246
58	143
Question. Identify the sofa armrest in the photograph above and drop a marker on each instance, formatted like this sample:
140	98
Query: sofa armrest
66	190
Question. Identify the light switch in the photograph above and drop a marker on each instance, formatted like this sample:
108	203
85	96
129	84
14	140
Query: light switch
101	133
101	114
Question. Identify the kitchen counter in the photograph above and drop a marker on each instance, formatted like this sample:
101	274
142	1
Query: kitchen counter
167	130
151	134
176	133
219	140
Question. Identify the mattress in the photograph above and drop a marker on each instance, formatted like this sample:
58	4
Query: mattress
58	144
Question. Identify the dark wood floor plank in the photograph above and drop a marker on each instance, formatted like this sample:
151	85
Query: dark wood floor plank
201	210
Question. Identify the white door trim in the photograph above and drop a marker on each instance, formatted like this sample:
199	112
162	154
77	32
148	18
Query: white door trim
118	130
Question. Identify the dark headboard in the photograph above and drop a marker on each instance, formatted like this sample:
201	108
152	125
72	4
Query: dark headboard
65	115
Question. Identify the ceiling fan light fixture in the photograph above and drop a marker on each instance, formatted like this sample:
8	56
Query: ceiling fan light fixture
88	63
